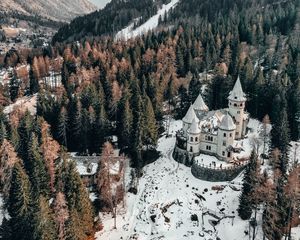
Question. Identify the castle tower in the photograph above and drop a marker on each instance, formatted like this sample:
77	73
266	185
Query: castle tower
200	107
226	136
236	101
193	137
188	118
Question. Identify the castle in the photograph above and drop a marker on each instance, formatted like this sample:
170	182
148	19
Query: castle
214	132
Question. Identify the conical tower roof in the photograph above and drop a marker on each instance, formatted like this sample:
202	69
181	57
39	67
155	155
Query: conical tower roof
190	115
237	93
199	104
227	123
194	129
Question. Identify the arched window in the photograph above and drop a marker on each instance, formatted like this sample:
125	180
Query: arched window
235	105
196	139
192	139
191	149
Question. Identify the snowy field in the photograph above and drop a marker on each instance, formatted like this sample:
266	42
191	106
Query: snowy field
149	25
168	195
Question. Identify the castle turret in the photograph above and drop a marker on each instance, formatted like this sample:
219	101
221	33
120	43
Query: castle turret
199	104
237	99
226	136
188	118
193	137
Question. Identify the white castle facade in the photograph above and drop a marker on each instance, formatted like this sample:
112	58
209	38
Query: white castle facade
214	132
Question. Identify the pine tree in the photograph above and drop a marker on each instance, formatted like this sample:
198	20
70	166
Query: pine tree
62	126
36	170
125	125
43	223
245	205
61	215
78	200
194	88
19	205
14	87
150	126
25	128
8	158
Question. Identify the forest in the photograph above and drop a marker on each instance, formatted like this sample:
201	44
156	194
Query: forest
126	88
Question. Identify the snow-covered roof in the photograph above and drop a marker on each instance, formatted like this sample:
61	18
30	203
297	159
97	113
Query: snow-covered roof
227	123
199	104
190	115
86	169
237	93
194	129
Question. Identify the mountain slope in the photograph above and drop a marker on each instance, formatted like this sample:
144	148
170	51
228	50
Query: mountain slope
117	15
55	9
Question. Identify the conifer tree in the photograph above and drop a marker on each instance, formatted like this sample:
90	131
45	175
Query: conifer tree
150	127
78	200
43	223
194	88
245	205
61	215
36	170
8	158
19	204
126	121
62	126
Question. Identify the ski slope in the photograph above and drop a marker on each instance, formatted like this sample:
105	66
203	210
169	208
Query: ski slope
149	25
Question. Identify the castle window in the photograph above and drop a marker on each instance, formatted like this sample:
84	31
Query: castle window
191	149
241	104
223	153
192	139
196	139
230	134
206	137
224	134
235	105
224	143
229	154
208	147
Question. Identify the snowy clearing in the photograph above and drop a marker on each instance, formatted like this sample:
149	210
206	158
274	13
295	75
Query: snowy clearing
150	24
168	196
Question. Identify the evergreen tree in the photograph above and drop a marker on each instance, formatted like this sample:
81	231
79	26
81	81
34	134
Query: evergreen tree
150	125
43	223
246	205
19	205
62	126
194	88
36	170
78	200
8	158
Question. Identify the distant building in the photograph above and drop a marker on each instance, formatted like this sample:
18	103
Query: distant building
214	132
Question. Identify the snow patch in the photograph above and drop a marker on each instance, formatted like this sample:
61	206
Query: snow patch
150	24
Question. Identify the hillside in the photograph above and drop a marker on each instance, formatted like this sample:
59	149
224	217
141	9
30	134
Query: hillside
56	10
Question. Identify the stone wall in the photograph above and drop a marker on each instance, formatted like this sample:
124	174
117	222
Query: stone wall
216	174
206	173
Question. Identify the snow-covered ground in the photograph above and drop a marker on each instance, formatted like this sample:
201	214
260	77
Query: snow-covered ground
168	191
150	24
23	103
